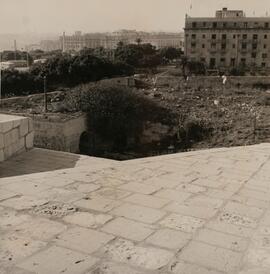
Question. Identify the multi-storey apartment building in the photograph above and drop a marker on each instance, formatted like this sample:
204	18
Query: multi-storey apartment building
230	39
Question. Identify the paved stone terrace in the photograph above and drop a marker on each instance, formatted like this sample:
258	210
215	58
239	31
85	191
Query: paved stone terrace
205	212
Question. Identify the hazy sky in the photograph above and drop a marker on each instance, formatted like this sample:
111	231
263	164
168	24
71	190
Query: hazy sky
55	16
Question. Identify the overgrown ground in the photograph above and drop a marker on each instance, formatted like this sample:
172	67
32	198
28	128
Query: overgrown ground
236	116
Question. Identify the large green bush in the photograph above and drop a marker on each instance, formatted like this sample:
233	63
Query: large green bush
116	115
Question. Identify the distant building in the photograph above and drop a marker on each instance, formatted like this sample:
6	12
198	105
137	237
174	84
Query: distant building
13	64
50	45
230	39
40	61
79	41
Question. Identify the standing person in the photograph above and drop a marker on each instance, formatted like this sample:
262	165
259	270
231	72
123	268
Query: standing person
224	79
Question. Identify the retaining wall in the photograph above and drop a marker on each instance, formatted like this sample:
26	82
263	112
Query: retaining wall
16	135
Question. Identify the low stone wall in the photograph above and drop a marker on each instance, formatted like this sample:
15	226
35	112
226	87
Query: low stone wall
59	135
16	135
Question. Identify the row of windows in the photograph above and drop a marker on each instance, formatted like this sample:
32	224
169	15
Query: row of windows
227	24
243	61
224	36
224	46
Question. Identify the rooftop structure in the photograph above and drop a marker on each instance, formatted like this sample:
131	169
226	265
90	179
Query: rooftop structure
229	40
197	212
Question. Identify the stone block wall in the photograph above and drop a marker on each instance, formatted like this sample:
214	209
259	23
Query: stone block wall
59	135
16	135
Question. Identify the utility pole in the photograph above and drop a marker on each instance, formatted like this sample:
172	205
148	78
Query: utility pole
15	50
45	94
0	78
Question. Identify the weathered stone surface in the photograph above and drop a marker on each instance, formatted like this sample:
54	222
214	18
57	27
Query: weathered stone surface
136	231
87	219
180	267
24	127
113	268
65	213
140	188
169	239
40	229
145	257
58	260
211	256
97	203
221	239
184	223
138	213
82	239
14	248
23	202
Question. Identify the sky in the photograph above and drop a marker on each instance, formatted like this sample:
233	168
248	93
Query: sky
56	16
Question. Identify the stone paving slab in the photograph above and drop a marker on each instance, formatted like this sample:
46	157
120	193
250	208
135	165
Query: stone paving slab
200	212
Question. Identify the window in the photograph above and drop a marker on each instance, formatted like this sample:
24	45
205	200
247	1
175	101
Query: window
212	63
203	36
203	46
265	36
264	55
244	36
214	36
194	25
234	36
253	55
214	24
233	46
245	25
224	36
263	65
235	24
203	60
255	36
264	46
204	24
266	25
213	45
233	62
222	60
254	46
193	36
193	45
224	25
223	46
243	61
244	45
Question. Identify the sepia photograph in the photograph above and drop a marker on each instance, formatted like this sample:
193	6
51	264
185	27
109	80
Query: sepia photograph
134	137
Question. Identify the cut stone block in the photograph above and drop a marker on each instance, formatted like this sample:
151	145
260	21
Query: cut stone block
169	239
87	219
82	239
145	257
184	223
58	260
128	229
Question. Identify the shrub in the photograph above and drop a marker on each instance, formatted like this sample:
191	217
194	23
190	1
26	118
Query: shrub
117	115
194	130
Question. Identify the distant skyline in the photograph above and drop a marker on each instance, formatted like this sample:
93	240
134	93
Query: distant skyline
56	16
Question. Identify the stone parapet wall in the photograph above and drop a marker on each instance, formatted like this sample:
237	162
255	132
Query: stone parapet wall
16	135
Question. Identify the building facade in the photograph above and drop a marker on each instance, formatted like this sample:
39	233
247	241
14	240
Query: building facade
228	40
79	41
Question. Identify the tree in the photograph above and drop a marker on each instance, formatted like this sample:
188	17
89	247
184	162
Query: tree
170	53
138	41
140	56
